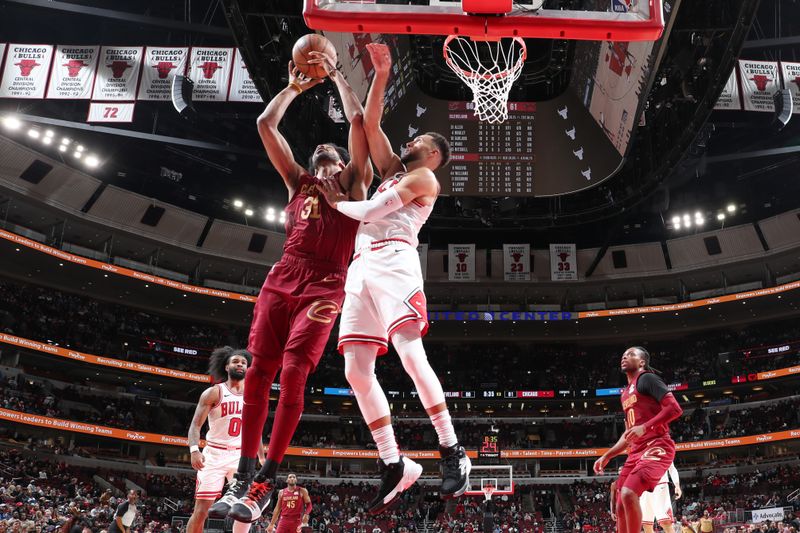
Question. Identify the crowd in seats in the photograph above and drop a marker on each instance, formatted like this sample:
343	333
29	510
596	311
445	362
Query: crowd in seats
104	328
511	514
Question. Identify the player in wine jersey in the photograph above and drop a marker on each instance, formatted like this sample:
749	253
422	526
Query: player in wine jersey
304	291
220	404
649	408
657	505
385	300
292	508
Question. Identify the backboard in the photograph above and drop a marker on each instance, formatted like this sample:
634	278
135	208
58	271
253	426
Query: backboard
499	477
612	20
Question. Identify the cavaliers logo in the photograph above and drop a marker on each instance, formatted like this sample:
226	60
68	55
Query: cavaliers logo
654	454
323	311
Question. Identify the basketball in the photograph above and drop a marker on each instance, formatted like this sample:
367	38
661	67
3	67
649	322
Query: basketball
301	54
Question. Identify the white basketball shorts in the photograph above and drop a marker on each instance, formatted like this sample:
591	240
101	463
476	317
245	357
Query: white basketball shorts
656	505
220	464
383	293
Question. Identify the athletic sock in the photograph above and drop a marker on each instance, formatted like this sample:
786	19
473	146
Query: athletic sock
387	445
443	425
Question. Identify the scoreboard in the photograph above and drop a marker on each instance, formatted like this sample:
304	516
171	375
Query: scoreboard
491	159
490	447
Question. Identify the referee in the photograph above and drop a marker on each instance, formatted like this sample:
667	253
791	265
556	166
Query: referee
125	515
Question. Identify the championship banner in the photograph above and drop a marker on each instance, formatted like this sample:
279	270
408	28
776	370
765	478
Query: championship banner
111	112
791	81
210	70
161	65
461	262
117	73
563	262
773	514
73	72
422	250
242	87
517	262
759	83
729	98
119	364
26	69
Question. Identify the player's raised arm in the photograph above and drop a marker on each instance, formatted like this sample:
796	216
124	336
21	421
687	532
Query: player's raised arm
207	400
418	183
379	146
278	150
276	513
357	175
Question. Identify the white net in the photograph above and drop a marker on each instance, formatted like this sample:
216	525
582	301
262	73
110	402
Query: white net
489	68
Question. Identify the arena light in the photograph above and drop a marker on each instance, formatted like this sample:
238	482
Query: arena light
687	222
676	221
62	148
238	204
698	214
720	216
77	155
47	140
270	217
248	212
66	140
91	161
11	122
270	210
80	148
49	133
731	208
34	134
699	221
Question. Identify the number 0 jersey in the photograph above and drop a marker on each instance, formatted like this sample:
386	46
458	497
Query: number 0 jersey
225	419
639	408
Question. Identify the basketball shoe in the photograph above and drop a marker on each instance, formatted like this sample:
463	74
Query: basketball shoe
255	502
233	495
395	478
455	467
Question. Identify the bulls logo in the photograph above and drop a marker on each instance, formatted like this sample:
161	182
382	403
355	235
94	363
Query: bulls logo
118	68
761	81
163	68
26	66
74	67
516	257
563	256
461	257
323	311
619	59
209	68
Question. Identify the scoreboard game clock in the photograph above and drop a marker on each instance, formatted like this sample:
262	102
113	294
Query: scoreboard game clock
490	447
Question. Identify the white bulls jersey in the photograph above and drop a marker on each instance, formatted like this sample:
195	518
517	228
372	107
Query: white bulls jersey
225	419
403	224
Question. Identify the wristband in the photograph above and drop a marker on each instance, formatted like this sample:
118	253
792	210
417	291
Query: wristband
296	86
194	448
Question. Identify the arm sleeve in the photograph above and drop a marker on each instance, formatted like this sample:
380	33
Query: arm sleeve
673	475
652	385
670	410
308	508
374	209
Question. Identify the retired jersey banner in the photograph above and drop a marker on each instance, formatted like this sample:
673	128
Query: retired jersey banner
242	87
110	112
791	81
73	72
117	73
26	69
760	82
422	250
461	262
210	70
563	262
729	97
161	65
517	262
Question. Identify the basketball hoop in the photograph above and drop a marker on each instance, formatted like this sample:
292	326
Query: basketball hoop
487	490
489	68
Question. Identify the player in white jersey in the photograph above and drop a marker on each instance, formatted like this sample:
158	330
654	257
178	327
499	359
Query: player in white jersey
384	298
222	405
657	506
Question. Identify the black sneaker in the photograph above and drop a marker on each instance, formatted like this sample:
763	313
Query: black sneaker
253	504
455	467
395	478
235	491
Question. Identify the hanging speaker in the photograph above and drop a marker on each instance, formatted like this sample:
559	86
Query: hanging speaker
182	94
783	107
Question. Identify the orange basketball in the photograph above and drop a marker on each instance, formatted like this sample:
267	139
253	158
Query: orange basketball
311	43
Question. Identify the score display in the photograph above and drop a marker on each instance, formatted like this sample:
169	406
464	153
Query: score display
493	159
490	447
